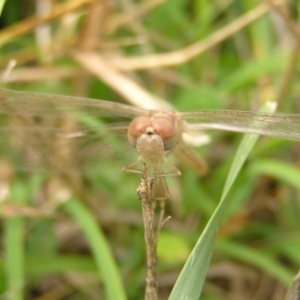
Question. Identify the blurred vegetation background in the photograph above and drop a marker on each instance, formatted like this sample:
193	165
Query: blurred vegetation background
225	54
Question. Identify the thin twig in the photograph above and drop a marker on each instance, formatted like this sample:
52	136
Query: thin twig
131	15
288	75
185	54
33	74
294	290
23	27
291	69
280	8
148	207
123	84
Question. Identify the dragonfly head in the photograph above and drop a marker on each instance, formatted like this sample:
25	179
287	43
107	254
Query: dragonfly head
159	129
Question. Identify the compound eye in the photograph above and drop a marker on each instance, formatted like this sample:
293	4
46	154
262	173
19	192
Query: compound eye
137	127
166	129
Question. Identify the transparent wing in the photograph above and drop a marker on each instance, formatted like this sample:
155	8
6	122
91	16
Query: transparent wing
77	149
274	125
68	133
64	134
48	105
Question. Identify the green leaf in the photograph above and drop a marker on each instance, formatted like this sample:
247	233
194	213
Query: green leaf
2	2
280	170
191	279
99	247
264	261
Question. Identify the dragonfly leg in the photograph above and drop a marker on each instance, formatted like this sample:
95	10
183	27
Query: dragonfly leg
130	167
172	172
160	188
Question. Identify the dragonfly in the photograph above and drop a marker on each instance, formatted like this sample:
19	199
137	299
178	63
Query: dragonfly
68	131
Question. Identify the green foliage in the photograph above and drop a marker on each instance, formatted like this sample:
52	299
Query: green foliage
244	212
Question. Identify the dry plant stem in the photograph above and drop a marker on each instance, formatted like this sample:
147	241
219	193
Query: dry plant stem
29	24
289	74
129	89
92	28
33	74
88	39
137	27
191	51
141	10
148	208
293	292
280	8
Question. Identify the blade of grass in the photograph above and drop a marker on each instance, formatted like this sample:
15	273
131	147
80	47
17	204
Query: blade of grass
51	264
99	247
288	174
262	260
2	2
14	256
14	250
191	279
280	170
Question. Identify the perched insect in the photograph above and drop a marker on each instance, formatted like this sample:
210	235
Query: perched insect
59	125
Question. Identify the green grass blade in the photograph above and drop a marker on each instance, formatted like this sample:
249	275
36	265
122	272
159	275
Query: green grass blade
14	256
263	261
45	265
280	170
14	249
2	2
191	279
99	247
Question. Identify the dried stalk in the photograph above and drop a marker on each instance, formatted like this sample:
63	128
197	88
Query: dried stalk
123	84
185	54
291	69
31	23
280	7
293	292
289	75
145	191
